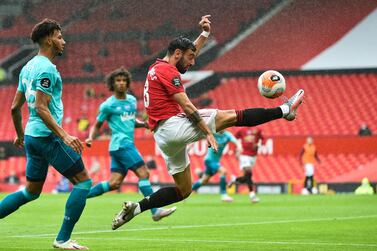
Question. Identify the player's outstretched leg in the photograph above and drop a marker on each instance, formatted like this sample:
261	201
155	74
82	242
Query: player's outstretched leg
197	185
157	213
99	189
162	197
257	116
249	181
14	200
294	102
224	195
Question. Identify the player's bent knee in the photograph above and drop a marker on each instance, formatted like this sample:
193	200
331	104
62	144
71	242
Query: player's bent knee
144	176
77	168
115	184
86	184
186	193
142	172
225	119
29	195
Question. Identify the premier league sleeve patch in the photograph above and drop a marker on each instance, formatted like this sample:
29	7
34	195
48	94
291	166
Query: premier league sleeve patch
45	82
176	81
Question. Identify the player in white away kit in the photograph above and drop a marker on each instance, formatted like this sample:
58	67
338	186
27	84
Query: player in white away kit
176	122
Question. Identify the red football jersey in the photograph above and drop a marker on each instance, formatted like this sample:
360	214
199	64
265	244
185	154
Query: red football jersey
250	138
163	80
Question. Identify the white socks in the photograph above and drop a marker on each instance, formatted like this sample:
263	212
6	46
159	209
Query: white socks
252	194
285	109
137	209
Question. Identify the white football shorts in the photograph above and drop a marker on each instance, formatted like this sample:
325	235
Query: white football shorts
247	162
309	169
173	135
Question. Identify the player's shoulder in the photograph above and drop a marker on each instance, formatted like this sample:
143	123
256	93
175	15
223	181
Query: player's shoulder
228	134
161	66
131	97
107	102
45	64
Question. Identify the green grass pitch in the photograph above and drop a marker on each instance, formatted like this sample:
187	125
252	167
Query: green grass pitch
202	222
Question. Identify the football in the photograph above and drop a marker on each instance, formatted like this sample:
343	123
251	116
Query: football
271	84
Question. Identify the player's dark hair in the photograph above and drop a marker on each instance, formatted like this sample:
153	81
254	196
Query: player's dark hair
110	78
181	43
43	29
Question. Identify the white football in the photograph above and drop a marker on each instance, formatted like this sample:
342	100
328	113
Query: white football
271	84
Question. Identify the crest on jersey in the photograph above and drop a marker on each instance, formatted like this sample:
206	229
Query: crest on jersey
176	81
45	82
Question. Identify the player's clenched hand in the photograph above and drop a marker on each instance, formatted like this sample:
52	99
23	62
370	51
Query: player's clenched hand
88	142
205	24
73	142
18	142
212	142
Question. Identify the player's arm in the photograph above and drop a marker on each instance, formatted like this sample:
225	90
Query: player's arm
301	154
18	102
93	132
238	145
192	113
205	24
42	101
317	157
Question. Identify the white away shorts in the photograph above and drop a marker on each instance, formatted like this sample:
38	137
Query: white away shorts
309	169
247	162
173	135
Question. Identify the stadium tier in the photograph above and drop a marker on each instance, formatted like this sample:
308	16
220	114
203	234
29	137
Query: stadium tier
330	107
117	27
78	104
119	53
7	49
116	16
62	11
268	169
282	42
334	104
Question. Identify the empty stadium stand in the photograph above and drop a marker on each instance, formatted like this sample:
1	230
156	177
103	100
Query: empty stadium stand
334	104
282	42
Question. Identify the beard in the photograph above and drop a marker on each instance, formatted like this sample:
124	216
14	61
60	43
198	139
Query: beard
58	51
180	66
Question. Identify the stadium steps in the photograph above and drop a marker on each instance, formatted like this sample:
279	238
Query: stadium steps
282	43
334	104
280	168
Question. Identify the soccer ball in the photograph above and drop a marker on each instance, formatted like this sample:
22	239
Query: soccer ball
271	84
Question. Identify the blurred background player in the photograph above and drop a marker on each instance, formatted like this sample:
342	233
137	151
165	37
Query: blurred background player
46	142
250	138
212	163
364	188
308	157
364	130
165	99
119	111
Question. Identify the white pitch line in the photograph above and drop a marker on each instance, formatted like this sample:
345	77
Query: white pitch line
372	245
236	241
202	226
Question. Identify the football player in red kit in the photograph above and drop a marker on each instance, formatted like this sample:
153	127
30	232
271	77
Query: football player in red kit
250	138
176	122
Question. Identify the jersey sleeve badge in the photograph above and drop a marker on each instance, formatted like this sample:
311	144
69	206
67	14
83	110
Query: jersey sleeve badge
45	82
176	81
